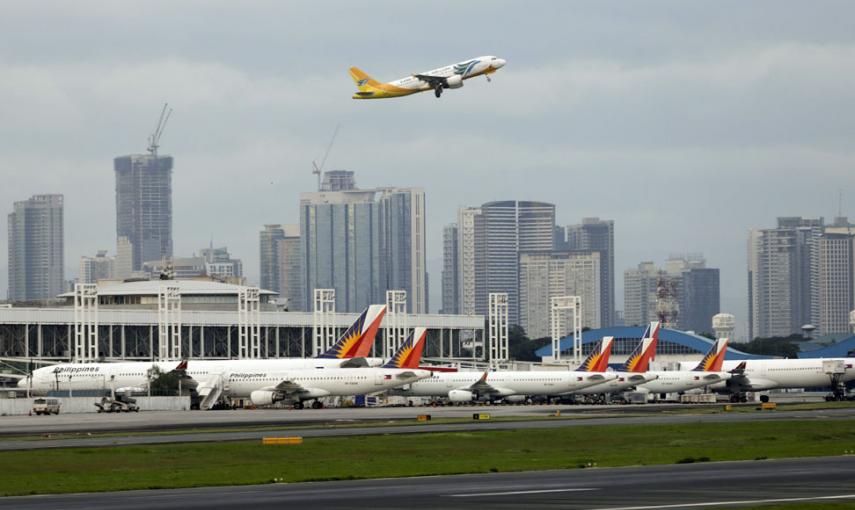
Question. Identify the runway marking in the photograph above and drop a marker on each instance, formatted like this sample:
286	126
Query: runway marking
735	502
512	493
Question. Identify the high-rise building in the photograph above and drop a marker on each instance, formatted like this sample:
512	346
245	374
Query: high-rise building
639	293
220	264
597	234
402	244
834	280
338	180
503	230
36	249
544	275
144	207
450	266
281	263
470	276
123	267
362	243
99	267
781	265
685	292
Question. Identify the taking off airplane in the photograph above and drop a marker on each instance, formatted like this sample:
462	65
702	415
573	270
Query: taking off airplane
448	77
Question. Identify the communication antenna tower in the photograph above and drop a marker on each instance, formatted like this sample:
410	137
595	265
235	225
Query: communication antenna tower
318	169
154	138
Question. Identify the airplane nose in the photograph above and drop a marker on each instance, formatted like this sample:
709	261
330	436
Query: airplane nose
22	383
499	63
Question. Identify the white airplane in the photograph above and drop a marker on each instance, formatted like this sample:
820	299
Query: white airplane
124	378
768	374
511	386
447	77
132	377
630	376
707	373
297	386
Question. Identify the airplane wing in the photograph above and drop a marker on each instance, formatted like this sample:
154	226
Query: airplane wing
433	81
482	387
288	387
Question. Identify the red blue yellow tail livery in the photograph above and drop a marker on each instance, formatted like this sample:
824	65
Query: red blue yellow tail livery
714	359
598	360
409	355
639	359
356	342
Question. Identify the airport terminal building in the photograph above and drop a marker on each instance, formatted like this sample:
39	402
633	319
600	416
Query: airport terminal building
128	324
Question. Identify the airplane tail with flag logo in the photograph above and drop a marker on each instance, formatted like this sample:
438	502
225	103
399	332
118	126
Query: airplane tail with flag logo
598	360
409	355
714	359
639	360
356	342
362	80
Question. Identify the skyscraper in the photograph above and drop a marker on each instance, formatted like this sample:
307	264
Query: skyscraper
597	234
780	283
491	239
834	280
470	234
639	293
144	206
99	267
690	293
362	243
544	275
281	263
36	249
450	274
402	244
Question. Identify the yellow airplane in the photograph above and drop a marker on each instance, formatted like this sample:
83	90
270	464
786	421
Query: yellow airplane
448	77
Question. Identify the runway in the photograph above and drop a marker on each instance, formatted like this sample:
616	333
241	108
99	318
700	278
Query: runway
322	431
709	485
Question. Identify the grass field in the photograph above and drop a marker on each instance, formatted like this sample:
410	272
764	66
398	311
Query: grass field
235	463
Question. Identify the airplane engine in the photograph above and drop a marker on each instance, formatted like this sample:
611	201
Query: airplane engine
454	82
460	396
262	397
514	399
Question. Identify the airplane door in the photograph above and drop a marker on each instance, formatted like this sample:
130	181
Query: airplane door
378	379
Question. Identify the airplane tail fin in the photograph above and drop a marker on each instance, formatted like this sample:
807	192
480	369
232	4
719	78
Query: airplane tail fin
639	360
598	360
714	359
409	355
359	337
362	80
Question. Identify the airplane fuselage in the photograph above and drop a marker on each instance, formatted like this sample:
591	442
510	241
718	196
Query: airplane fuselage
505	384
450	76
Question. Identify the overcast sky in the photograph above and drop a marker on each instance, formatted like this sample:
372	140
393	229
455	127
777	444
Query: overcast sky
686	122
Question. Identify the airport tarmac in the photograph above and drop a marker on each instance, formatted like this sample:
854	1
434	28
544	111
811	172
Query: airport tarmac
705	485
323	431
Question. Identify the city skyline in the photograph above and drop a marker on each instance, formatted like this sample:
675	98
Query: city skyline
745	117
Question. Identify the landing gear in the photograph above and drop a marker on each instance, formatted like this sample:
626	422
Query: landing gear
298	405
317	404
438	91
488	78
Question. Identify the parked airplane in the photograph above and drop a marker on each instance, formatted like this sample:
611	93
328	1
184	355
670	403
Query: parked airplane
297	386
512	386
768	374
129	377
351	350
448	77
706	373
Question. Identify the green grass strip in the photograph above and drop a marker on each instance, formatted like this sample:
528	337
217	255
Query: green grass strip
336	458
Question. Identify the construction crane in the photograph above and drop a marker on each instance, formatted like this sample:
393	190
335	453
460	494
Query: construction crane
318	169
154	138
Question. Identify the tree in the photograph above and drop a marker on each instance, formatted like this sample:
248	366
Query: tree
521	347
163	383
785	347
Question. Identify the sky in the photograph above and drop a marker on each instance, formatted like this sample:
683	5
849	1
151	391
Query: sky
688	123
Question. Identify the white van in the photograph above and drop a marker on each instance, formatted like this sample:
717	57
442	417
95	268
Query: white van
46	406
